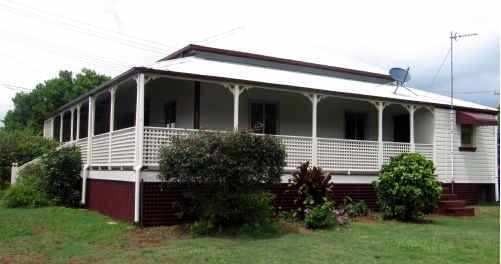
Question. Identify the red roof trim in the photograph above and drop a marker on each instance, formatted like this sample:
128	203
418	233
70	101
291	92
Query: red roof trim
182	52
470	118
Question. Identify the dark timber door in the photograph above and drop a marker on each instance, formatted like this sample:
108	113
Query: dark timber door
401	128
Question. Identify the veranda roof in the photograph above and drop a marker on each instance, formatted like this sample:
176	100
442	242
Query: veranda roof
246	73
180	64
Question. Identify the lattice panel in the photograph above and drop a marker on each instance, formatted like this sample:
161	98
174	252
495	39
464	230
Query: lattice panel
345	154
425	149
82	145
391	149
298	149
100	150
123	147
156	137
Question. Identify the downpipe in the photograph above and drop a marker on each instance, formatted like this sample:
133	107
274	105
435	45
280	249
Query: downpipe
85	175
137	194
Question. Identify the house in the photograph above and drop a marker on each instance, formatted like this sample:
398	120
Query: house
347	121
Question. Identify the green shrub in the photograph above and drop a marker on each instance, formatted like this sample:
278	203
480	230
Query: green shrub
28	190
320	216
201	228
222	172
62	180
406	187
234	161
20	146
313	186
354	209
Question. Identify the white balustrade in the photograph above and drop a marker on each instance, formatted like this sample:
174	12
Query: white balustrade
156	137
333	154
425	150
298	150
122	147
82	145
100	150
347	154
391	149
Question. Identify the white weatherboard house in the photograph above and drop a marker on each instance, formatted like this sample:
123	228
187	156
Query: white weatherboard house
347	121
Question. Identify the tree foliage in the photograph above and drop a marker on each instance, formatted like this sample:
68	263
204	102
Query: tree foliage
31	109
20	146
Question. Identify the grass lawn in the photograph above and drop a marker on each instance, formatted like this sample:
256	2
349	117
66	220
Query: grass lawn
63	235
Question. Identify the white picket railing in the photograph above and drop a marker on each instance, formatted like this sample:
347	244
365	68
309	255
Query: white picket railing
347	154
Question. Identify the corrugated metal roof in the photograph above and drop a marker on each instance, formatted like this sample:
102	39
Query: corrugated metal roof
231	70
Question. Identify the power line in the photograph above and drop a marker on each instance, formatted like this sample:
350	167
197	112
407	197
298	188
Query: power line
15	87
88	29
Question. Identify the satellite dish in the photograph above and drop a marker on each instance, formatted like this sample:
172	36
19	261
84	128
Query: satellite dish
400	75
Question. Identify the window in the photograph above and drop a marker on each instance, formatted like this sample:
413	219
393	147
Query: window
355	126
264	118
467	138
170	114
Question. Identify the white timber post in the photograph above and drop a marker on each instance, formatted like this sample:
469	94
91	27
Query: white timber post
412	109
236	102
77	136
90	134
61	127
13	173
236	90
496	158
52	128
71	124
315	99
112	122
314	154
380	109
139	142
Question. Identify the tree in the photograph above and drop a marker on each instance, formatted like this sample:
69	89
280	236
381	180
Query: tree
31	109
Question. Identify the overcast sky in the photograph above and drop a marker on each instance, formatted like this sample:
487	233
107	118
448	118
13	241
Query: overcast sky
39	38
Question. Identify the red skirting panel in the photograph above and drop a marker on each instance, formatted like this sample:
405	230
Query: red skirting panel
112	198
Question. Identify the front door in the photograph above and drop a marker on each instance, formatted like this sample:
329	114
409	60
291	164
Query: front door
401	131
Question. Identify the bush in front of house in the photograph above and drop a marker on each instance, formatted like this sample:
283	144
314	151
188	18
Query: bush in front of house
223	173
55	180
20	146
407	188
28	190
354	209
313	186
62	180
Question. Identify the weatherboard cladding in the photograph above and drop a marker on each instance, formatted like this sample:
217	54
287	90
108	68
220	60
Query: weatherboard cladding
469	167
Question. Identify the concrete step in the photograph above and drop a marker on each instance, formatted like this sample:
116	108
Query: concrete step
461	211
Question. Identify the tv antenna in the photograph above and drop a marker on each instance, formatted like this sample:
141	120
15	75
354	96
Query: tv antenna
401	76
454	37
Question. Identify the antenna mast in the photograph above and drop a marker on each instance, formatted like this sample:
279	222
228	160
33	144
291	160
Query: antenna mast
454	36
